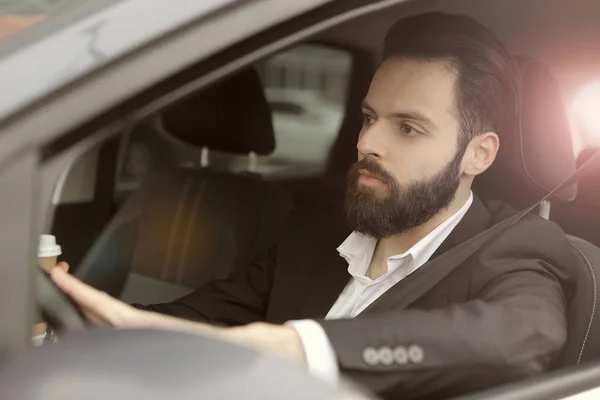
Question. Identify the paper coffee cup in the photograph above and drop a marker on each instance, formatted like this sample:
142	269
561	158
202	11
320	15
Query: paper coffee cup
48	252
38	340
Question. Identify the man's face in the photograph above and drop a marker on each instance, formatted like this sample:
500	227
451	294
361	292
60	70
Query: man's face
409	164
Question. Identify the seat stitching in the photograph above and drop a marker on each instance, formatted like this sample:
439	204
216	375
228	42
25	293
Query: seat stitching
521	145
178	212
191	224
587	262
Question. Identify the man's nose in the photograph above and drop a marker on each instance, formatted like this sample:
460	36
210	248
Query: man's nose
370	142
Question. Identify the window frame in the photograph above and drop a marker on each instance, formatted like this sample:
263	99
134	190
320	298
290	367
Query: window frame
101	104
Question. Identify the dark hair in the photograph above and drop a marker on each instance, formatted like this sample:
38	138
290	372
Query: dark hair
487	88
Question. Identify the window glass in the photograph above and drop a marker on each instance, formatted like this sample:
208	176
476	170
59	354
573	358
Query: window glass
306	88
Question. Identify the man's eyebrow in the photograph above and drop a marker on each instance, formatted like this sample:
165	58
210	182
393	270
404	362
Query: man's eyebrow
414	115
366	106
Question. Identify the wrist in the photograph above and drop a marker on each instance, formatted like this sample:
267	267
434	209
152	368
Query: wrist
283	341
294	345
152	320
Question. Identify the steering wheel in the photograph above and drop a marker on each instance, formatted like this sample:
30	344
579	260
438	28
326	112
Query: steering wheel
57	309
153	365
150	364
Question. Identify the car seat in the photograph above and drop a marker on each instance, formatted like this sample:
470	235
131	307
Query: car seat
186	226
533	161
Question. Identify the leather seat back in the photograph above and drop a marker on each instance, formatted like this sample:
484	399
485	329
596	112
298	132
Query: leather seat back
198	225
583	344
538	154
185	227
536	159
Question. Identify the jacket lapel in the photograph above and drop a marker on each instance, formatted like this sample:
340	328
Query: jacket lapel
476	220
408	290
327	287
320	273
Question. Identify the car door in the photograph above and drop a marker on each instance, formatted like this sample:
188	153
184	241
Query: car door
96	56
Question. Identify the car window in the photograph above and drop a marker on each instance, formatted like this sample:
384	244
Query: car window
306	88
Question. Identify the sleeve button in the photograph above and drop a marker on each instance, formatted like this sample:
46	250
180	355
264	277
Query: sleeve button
416	354
386	356
370	356
401	355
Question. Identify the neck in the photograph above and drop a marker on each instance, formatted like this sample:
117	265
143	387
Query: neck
399	244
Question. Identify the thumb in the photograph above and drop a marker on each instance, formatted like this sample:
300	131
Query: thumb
63	266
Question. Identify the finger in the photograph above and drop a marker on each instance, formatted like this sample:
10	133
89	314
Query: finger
106	310
63	266
84	295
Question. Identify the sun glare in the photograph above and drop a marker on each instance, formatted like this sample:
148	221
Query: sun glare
586	106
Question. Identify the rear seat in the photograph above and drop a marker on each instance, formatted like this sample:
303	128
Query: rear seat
186	226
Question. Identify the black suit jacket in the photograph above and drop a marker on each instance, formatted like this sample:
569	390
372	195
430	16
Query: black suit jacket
498	317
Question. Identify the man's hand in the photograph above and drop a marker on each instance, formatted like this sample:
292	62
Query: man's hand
98	307
101	309
63	266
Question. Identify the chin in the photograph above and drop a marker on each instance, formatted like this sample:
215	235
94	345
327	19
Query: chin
379	193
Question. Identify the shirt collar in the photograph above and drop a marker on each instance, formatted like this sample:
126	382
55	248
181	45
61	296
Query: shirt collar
424	248
358	249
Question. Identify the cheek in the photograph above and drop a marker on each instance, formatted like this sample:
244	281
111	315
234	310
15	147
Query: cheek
417	161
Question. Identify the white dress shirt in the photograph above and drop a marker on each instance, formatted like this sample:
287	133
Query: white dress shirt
361	291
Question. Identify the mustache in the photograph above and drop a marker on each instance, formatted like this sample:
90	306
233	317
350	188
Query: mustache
373	168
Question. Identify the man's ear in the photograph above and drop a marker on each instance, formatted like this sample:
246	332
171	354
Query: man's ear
482	150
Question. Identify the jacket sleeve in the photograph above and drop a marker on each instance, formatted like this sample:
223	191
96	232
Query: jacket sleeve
512	326
238	300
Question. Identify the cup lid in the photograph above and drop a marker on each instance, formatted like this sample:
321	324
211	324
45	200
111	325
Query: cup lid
48	247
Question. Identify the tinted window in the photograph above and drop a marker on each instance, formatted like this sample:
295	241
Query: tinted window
307	88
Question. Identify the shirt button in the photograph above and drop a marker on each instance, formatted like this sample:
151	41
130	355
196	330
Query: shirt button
416	354
371	356
401	355
386	356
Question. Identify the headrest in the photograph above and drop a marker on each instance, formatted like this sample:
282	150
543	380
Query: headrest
539	155
232	116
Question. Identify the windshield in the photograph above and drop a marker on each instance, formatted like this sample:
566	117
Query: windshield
17	15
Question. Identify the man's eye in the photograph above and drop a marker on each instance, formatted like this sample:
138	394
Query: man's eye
367	119
408	130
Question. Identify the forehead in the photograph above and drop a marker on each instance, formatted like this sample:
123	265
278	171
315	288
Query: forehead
401	85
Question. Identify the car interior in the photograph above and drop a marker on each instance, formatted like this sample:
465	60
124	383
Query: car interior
197	190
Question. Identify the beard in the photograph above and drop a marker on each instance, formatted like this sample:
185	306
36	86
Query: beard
404	207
